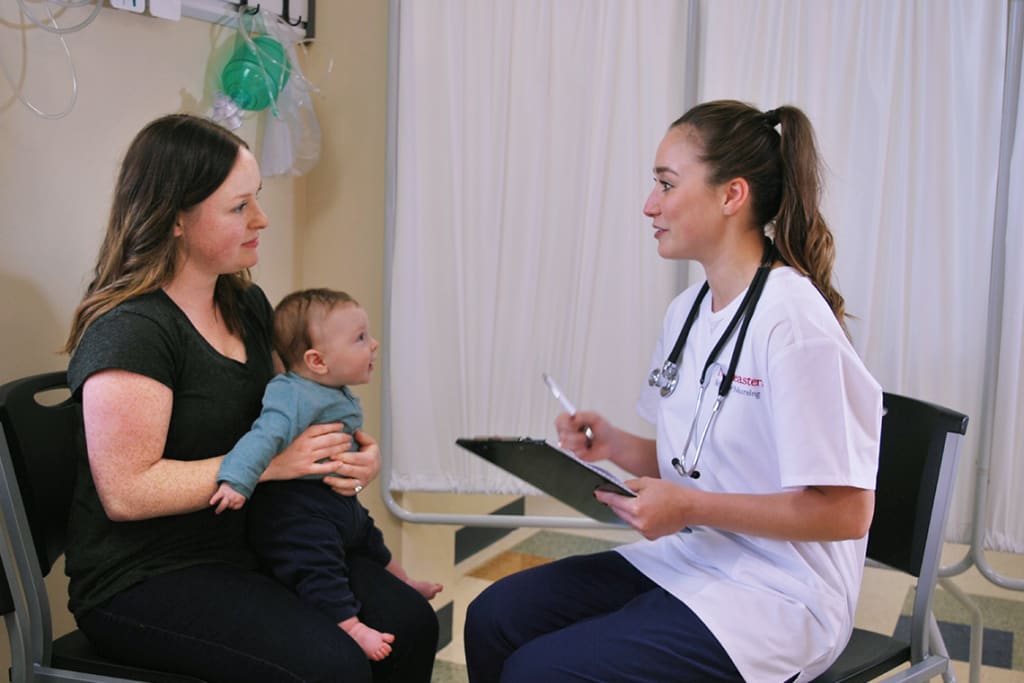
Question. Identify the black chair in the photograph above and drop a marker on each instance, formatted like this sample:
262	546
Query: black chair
37	472
916	469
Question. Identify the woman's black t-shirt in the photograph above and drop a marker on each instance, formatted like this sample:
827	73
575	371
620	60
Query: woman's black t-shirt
216	400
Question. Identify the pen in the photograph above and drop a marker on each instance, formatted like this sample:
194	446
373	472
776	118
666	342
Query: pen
566	404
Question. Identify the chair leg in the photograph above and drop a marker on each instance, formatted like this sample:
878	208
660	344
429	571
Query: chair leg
938	645
977	626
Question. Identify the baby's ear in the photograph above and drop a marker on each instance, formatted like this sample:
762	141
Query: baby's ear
315	362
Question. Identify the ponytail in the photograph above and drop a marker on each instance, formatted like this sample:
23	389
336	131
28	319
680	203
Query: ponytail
802	238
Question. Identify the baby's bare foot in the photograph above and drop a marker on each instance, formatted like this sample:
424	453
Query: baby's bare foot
375	644
427	589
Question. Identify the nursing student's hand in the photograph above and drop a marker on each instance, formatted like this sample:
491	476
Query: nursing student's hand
357	468
660	507
572	435
318	442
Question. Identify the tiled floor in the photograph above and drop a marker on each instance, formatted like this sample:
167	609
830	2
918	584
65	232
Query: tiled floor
884	598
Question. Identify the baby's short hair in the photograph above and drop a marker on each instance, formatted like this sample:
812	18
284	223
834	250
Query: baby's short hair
294	317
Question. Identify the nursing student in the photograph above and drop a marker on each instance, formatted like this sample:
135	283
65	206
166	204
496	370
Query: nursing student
170	353
755	497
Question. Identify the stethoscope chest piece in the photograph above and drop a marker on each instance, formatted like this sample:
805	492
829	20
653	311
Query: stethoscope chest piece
665	378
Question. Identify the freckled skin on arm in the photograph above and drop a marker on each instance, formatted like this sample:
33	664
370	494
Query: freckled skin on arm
133	479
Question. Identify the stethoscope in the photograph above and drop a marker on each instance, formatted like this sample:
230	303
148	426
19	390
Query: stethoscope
667	376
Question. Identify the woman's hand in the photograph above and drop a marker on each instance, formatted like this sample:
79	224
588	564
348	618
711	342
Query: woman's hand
319	442
659	508
633	453
572	435
356	468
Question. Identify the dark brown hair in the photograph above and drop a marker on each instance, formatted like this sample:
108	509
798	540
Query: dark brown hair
784	174
173	164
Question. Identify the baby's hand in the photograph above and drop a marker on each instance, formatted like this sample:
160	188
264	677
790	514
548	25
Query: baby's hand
227	498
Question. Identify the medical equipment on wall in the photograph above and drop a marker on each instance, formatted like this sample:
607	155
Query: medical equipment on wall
263	74
666	377
53	28
257	71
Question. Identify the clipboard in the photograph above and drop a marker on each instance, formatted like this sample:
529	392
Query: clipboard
555	471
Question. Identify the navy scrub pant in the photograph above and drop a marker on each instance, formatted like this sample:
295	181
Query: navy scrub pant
588	618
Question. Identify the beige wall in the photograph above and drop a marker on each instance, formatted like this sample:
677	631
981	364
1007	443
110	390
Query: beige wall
341	241
56	176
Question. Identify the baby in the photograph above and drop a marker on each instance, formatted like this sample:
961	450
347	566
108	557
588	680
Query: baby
301	529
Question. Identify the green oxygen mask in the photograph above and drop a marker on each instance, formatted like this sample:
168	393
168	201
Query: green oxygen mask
256	73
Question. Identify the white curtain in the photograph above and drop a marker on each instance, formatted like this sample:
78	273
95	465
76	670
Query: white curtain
906	100
526	132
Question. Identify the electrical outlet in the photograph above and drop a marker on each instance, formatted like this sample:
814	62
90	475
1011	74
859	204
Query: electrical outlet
130	5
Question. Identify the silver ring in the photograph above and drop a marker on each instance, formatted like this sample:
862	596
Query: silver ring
359	487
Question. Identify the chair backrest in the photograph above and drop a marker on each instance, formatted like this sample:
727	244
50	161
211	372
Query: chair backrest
917	465
38	460
910	500
41	425
40	428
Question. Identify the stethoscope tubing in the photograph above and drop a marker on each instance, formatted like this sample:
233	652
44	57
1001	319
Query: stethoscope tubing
667	378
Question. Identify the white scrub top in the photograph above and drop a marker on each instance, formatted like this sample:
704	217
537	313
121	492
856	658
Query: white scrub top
803	411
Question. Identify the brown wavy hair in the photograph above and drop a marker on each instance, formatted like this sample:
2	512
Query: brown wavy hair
173	164
776	153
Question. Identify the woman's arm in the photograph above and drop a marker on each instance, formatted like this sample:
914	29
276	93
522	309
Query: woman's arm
133	479
813	513
126	418
635	454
